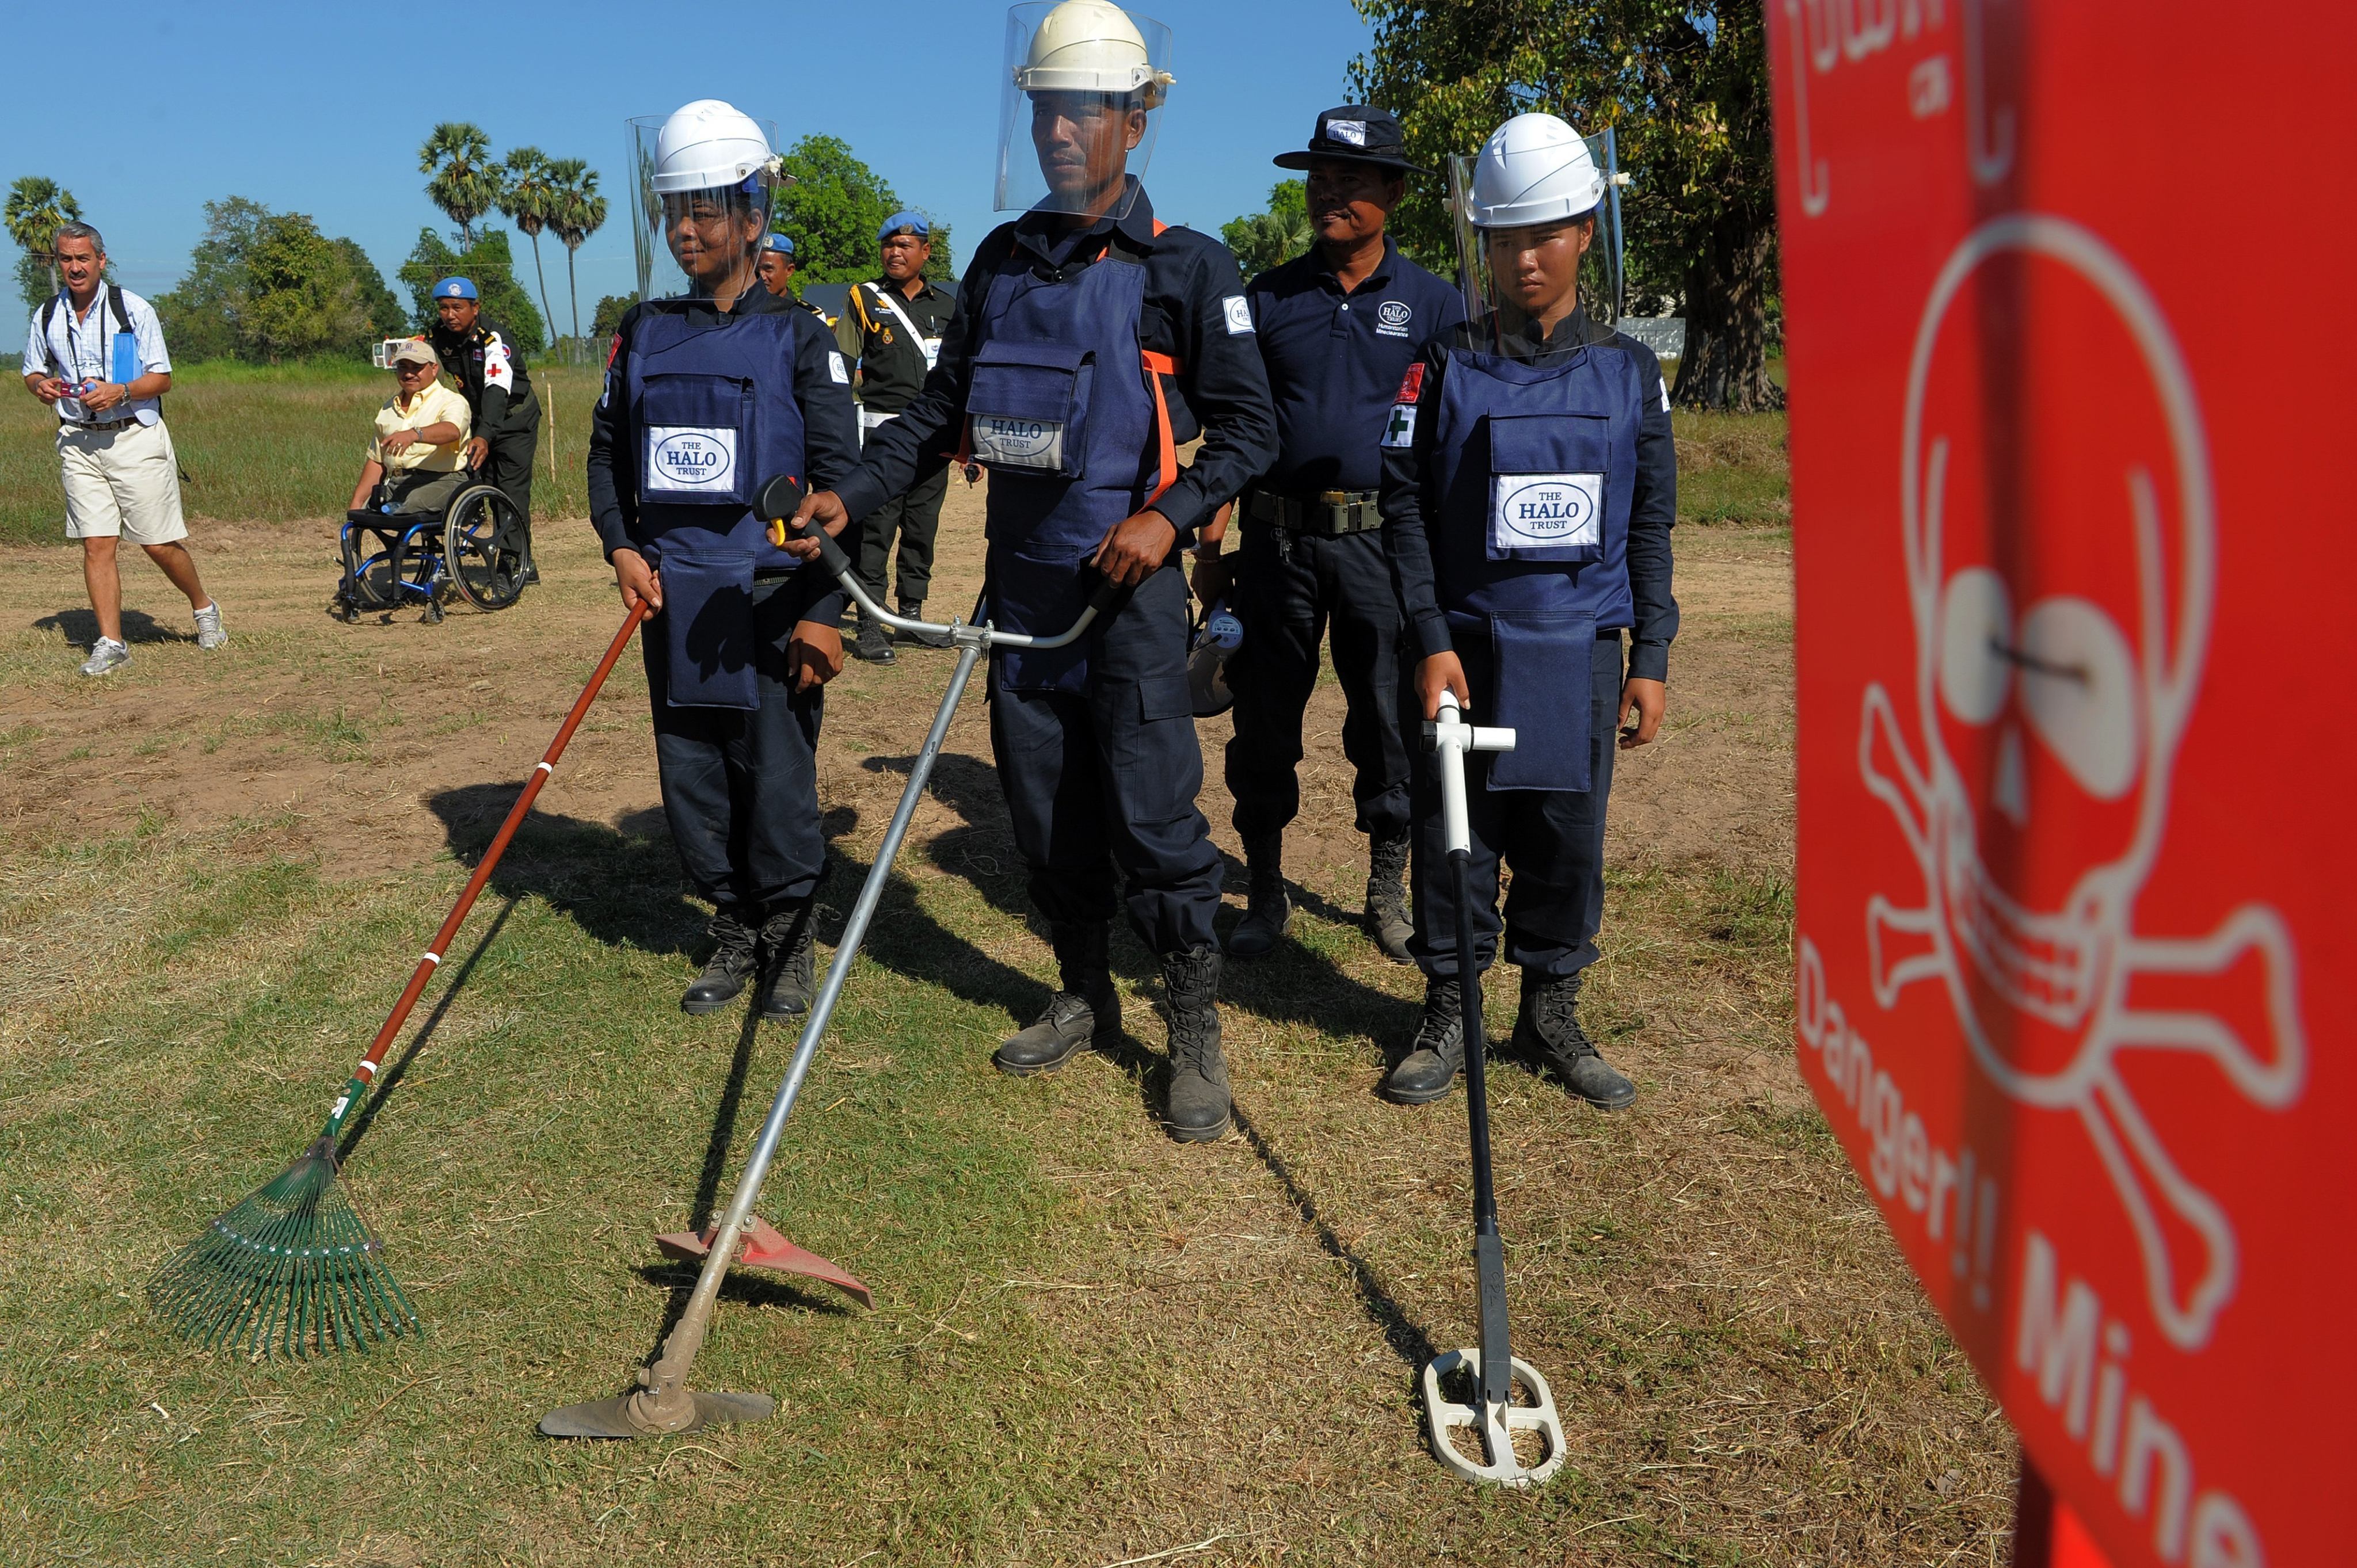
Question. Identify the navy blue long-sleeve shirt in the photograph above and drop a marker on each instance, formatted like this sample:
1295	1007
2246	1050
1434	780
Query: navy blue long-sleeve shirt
1221	390
1335	360
1409	506
830	428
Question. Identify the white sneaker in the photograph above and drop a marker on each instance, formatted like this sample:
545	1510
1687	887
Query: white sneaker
106	657
209	627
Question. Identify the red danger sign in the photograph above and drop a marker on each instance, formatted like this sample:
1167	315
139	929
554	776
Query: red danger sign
2075	559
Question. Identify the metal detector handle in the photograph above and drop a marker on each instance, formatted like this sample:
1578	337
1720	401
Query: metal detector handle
1451	737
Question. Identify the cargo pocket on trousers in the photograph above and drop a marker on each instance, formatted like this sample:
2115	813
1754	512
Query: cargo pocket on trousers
1160	774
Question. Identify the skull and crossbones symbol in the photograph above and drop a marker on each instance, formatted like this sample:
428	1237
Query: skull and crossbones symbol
2060	552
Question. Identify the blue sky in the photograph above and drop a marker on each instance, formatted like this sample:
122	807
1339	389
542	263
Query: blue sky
320	108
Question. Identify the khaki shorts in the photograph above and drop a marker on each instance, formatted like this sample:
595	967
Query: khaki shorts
122	482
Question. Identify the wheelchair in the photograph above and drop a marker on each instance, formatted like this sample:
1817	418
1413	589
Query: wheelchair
393	559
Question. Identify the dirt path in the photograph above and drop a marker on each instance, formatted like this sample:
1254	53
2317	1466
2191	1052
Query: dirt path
353	730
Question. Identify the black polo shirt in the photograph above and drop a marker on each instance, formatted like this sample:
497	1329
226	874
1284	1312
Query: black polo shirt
891	368
1336	361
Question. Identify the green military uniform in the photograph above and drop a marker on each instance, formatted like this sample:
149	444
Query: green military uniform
874	333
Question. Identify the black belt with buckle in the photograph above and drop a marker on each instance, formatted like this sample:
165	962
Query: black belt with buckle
108	425
1329	513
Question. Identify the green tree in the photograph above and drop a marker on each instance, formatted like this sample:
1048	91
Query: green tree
529	196
335	302
385	317
833	209
1264	239
465	183
491	264
610	311
579	212
301	297
38	208
1684	84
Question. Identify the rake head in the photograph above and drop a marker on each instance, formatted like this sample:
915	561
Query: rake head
292	1270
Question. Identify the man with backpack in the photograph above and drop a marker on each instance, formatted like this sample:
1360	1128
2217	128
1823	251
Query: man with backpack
95	355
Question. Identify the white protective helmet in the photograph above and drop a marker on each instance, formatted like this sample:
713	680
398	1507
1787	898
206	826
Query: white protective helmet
707	145
1091	46
1534	169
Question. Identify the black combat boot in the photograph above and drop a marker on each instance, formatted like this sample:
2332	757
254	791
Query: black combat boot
1267	909
789	939
914	609
1386	914
875	644
1197	1109
1426	1073
1547	1033
731	965
1085	1007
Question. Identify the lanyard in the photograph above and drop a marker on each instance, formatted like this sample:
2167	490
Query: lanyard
73	339
930	346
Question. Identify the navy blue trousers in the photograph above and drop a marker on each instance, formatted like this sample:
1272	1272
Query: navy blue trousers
1102	781
740	787
1288	592
1553	839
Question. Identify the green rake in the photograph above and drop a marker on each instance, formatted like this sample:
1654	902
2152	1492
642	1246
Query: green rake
294	1268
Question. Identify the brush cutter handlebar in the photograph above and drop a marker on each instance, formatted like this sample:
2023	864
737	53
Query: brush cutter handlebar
781	497
364	1075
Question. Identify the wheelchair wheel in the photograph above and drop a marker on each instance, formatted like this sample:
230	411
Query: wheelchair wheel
482	548
374	571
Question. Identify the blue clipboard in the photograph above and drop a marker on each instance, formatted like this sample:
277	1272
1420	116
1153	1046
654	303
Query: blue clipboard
125	364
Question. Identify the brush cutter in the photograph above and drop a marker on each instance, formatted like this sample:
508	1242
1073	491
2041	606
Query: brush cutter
294	1268
1490	1373
663	1403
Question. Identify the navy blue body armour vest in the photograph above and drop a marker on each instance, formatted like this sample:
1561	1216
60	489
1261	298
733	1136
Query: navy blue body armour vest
1061	411
713	412
1535	475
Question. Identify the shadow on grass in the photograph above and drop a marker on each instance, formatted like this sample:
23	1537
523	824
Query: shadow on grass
390	1079
79	627
1410	1343
1293	985
620	884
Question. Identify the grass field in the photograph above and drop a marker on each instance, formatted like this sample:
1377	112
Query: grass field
270	445
1091	1345
260	445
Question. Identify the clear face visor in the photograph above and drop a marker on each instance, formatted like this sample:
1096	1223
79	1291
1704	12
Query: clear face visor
381	355
1520	284
1077	122
699	244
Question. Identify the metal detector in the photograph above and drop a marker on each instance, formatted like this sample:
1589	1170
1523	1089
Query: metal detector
663	1403
1508	1395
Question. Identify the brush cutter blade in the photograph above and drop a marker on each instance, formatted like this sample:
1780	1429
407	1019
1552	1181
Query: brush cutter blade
1493	1429
621	1416
764	1248
292	1270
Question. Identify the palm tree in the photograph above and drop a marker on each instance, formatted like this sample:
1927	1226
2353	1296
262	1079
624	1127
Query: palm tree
529	198
465	183
37	208
580	212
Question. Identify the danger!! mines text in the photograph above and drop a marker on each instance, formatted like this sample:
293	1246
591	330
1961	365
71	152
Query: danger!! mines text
2062	1335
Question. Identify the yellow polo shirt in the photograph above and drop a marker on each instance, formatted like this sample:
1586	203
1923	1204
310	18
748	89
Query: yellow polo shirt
437	404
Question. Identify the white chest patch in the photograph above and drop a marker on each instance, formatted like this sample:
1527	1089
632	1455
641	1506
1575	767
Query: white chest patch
1003	442
690	459
1545	511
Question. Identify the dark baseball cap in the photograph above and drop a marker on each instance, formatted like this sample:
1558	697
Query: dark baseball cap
1357	134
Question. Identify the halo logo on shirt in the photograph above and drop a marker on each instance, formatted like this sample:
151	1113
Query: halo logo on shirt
683	459
1007	442
1392	318
1545	511
1239	314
